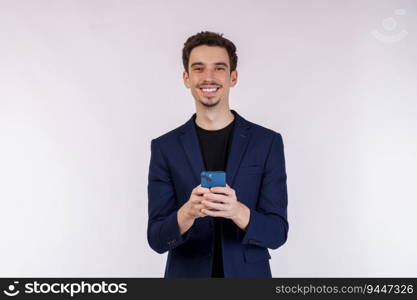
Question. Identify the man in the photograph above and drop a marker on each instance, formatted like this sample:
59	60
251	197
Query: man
221	231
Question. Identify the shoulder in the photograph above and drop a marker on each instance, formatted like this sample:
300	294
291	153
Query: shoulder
168	137
263	133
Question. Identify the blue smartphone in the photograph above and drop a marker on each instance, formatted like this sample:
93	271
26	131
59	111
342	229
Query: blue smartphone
213	178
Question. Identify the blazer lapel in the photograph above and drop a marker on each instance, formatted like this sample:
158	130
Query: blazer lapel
240	141
189	141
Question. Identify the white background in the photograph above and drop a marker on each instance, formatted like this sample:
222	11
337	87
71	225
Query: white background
85	85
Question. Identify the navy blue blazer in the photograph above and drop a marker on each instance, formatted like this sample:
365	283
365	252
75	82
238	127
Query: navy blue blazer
255	170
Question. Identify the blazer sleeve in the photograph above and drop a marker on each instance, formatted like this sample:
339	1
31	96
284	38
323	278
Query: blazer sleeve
163	231
268	225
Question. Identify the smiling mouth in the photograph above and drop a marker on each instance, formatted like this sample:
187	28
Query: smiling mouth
209	91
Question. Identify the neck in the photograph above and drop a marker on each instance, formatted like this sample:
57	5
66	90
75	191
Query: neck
211	119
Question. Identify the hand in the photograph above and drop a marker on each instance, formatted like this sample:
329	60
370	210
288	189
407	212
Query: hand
222	202
191	210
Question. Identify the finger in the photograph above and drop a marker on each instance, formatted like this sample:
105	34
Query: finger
196	199
216	197
212	205
199	190
213	213
199	210
200	214
223	190
201	207
198	207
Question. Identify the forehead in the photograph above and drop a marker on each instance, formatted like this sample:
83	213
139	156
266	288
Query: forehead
209	54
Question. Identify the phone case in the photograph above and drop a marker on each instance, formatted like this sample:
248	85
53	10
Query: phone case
213	178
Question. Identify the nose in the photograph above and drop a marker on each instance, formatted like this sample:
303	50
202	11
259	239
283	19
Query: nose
208	75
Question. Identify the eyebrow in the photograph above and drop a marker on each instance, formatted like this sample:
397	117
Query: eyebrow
216	64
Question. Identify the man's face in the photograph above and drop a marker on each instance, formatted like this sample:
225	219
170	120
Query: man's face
209	76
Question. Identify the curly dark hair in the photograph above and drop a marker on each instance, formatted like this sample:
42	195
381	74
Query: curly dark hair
210	39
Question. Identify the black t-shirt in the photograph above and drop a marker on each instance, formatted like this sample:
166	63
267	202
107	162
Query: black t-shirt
215	147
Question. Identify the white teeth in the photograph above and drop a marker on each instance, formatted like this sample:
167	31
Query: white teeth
209	90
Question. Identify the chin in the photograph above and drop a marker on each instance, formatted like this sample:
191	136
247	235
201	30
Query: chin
210	103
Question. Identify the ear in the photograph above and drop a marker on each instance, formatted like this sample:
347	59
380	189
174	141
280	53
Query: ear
233	78
186	78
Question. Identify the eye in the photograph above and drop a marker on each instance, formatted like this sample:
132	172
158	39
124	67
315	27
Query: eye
198	69
219	68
